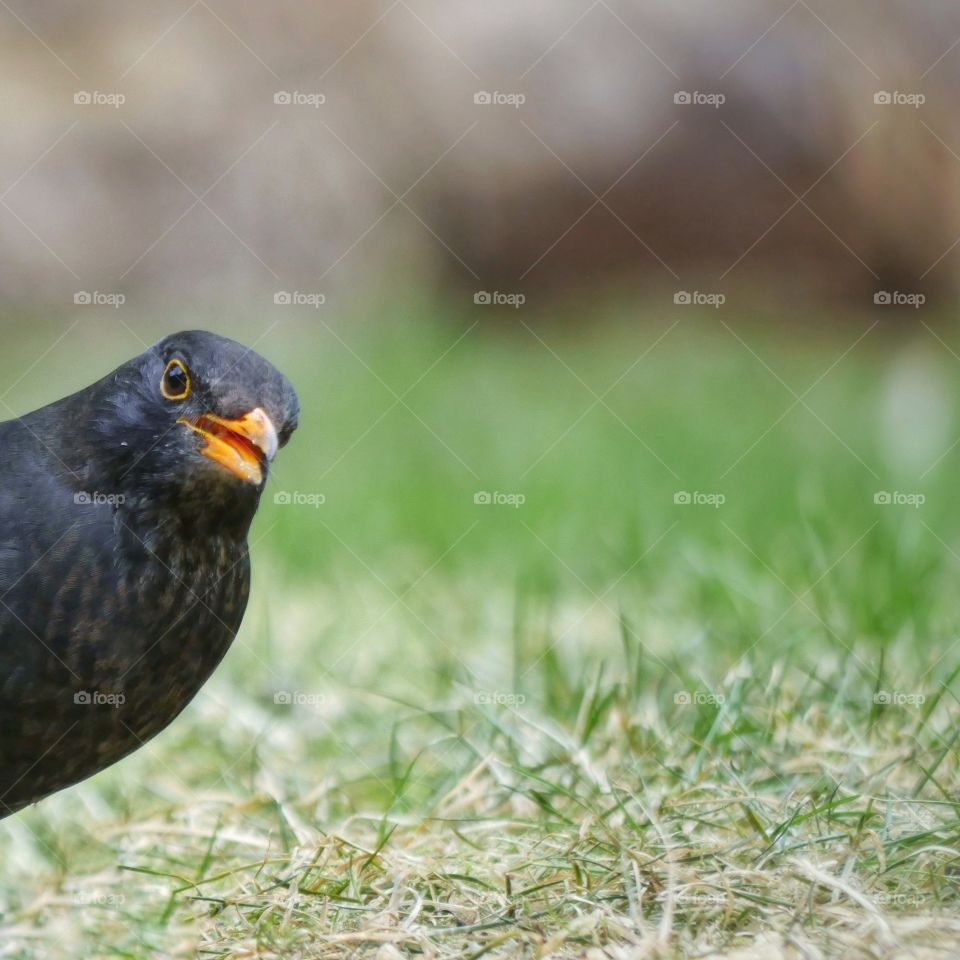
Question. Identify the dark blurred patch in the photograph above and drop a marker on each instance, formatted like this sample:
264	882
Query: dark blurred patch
810	151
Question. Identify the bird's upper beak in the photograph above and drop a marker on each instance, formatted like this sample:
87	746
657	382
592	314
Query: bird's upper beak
241	446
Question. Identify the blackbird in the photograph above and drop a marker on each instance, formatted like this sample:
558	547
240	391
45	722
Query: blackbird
124	571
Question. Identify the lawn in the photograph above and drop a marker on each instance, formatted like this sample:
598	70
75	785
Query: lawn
614	631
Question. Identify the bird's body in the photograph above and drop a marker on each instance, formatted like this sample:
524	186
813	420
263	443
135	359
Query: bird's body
124	571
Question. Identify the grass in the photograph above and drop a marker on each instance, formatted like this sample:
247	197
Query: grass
598	723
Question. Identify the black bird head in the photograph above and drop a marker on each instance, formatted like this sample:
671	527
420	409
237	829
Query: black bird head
192	422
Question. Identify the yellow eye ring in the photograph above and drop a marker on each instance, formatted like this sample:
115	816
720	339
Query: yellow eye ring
175	383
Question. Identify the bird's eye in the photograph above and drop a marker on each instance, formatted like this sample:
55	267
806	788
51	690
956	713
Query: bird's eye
175	384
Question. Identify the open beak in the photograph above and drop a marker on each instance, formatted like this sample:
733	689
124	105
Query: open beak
242	446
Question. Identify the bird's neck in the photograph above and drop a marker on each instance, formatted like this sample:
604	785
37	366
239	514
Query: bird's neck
180	534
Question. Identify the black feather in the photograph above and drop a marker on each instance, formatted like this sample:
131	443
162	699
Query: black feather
124	571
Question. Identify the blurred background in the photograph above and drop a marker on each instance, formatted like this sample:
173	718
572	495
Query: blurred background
204	152
613	322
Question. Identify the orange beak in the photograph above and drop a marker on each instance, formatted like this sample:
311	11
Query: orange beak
241	446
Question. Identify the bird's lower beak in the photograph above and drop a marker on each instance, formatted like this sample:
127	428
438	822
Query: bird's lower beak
242	446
